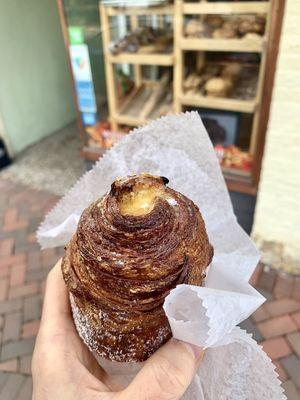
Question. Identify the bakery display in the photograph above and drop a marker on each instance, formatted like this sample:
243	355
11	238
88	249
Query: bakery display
130	249
226	27
232	157
145	39
217	87
224	33
223	79
216	56
102	136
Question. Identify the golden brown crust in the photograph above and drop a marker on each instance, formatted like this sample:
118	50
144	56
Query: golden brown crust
119	268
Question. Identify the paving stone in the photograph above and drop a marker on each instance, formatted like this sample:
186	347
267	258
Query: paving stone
14	226
3	378
284	286
10	365
17	274
14	259
27	247
256	275
3	289
292	366
11	387
31	238
250	327
276	347
25	393
296	289
49	258
282	306
17	349
265	293
9	306
12	326
294	340
37	275
25	364
261	314
23	290
282	375
4	272
30	329
296	319
1	321
10	216
267	279
34	223
32	308
290	390
276	326
34	260
6	246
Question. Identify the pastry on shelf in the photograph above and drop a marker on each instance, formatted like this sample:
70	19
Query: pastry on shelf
131	247
255	37
143	36
214	21
231	23
101	135
224	33
195	28
218	87
253	24
231	71
234	157
192	81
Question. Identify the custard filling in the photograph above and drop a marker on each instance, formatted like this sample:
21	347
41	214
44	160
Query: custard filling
140	200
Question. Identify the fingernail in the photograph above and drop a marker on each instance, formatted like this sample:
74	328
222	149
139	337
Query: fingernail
198	351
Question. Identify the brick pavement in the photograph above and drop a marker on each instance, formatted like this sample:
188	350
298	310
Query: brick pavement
23	269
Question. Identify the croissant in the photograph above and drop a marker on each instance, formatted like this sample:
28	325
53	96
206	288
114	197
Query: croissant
130	249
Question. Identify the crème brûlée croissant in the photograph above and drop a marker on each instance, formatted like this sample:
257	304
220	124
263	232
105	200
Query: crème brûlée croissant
130	249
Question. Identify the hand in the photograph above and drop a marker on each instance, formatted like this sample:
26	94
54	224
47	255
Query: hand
64	368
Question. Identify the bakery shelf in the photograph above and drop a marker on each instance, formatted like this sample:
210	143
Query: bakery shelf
132	110
130	120
142	59
247	7
143	103
240	45
227	104
157	10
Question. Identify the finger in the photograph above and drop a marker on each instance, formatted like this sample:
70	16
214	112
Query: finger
56	309
168	373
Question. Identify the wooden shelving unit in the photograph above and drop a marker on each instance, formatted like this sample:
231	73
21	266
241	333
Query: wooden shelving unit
240	45
182	44
119	114
125	114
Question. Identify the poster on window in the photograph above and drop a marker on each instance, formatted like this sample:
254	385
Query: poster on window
81	68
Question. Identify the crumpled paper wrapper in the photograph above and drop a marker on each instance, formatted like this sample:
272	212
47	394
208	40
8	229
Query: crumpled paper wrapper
178	147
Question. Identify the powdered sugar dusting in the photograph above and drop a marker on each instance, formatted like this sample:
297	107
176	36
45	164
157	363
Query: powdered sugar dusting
92	336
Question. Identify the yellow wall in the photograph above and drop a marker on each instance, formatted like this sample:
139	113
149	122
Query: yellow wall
277	217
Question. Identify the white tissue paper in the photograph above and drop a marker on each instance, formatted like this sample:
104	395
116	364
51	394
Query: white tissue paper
178	147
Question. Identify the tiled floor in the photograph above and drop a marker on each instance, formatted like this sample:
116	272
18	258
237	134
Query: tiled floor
23	268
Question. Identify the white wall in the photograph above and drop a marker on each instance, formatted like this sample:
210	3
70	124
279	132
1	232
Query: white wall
277	217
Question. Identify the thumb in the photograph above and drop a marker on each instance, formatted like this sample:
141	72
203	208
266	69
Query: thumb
167	374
